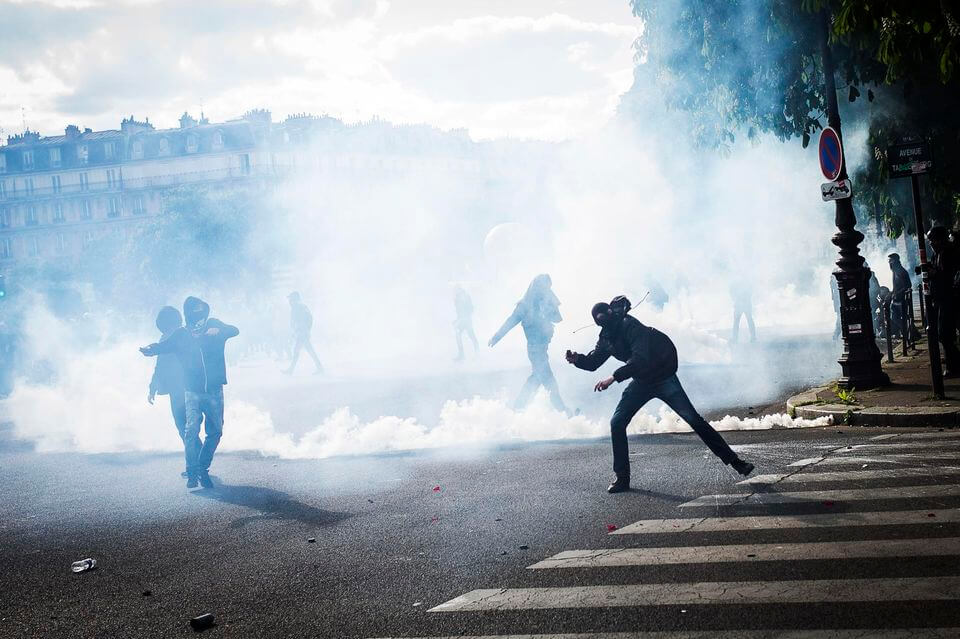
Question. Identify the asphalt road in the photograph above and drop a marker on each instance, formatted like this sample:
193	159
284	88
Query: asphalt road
389	546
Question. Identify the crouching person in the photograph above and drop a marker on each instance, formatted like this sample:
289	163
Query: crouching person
650	362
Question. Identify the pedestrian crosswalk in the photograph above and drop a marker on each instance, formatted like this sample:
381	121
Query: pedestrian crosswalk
871	532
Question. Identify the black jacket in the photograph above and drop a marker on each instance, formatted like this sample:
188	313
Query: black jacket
649	356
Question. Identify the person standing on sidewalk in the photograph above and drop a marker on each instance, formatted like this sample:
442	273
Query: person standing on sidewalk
167	373
943	291
199	347
650	362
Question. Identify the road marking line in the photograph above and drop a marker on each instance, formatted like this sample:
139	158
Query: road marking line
801	478
909	633
899	445
854	494
774	522
717	592
873	548
927	435
885	459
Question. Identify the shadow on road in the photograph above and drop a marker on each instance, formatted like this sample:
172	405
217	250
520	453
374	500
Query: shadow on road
272	504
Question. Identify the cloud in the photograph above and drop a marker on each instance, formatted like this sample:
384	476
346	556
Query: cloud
549	76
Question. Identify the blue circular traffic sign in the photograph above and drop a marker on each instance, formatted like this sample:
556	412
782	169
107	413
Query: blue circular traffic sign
831	154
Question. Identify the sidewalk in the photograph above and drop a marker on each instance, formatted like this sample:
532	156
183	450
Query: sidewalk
908	401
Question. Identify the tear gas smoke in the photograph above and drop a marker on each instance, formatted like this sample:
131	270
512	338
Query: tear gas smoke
374	254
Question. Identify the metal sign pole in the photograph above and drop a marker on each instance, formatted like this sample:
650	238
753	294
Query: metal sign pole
933	334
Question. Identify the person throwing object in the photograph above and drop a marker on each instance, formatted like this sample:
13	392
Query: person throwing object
650	362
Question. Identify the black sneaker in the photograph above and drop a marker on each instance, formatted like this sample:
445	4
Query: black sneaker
742	467
621	485
205	480
192	481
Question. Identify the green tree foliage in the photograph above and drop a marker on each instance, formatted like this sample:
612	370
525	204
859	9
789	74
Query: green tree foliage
749	66
205	239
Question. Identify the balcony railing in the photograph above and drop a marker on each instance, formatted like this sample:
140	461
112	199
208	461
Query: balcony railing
153	181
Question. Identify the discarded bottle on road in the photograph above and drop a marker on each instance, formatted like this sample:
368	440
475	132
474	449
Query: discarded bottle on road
202	622
83	565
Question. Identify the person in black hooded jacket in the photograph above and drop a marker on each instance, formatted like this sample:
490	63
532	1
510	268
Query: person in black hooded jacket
199	347
650	362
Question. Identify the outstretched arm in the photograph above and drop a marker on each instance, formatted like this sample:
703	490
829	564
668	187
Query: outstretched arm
512	321
591	361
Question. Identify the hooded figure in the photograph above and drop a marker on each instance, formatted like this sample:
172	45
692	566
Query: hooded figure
650	362
536	312
199	348
168	374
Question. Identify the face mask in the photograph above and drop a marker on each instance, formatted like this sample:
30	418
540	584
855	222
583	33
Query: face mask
605	320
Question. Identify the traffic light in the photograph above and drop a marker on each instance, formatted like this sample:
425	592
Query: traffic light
3	287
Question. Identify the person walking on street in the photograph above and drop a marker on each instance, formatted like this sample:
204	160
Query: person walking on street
464	322
199	347
301	322
943	291
742	294
650	363
167	373
537	312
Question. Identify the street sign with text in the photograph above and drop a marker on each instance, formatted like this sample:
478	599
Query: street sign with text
831	154
909	159
836	190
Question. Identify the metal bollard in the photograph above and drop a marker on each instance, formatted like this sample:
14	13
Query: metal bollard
923	308
885	305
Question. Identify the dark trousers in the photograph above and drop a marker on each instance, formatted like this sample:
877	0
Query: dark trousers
541	375
671	393
947	328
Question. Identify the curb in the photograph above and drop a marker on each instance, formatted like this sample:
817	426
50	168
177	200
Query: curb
806	405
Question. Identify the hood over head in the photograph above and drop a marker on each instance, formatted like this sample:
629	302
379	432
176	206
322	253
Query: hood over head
195	311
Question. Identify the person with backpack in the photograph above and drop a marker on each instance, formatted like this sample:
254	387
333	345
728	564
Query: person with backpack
650	363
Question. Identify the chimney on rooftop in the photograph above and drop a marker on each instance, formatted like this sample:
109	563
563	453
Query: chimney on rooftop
72	131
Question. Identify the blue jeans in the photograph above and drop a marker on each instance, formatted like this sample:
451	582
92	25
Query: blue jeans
206	408
671	393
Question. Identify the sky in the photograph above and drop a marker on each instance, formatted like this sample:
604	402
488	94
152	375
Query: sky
528	69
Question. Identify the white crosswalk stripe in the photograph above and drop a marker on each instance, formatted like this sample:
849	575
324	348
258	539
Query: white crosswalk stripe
874	548
713	592
897	445
853	475
774	522
864	494
884	459
894	459
946	435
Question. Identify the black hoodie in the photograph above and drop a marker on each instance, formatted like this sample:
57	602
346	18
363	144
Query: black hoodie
649	355
201	355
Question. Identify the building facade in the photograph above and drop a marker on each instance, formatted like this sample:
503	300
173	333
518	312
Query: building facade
58	194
